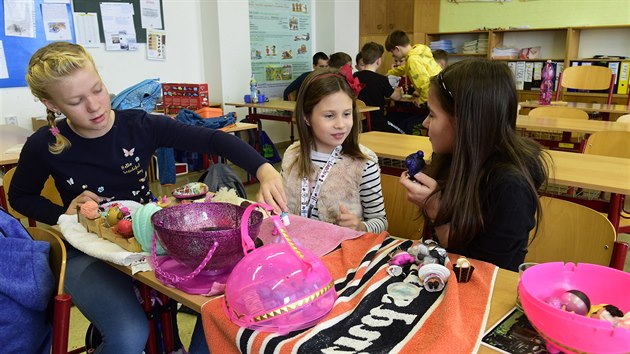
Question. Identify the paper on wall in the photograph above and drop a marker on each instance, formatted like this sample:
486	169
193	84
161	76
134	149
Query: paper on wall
86	29
56	22
4	72
120	33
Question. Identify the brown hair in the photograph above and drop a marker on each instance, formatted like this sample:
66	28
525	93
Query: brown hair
396	38
317	85
371	52
339	59
480	96
49	64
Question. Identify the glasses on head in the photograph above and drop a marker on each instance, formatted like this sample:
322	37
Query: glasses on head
440	79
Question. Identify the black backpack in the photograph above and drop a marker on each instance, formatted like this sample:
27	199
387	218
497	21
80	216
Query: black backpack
221	175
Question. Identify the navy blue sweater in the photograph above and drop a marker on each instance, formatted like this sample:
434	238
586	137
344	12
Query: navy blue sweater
114	165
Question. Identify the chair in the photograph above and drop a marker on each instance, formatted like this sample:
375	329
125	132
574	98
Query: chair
361	104
403	217
624	118
49	191
614	144
62	302
570	232
589	77
558	112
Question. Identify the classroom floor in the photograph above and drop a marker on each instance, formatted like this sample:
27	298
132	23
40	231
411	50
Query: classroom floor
186	322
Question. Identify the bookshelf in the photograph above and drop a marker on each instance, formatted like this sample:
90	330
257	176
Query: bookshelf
562	44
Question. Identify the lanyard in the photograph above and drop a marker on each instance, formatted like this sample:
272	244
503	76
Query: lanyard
308	199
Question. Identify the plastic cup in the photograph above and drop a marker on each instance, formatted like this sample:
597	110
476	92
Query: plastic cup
521	269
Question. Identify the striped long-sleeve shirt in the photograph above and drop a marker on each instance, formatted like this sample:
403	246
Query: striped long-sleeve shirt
370	193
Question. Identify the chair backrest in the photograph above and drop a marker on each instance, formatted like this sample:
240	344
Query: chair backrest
624	118
589	77
403	217
570	232
11	135
609	143
49	191
57	253
558	112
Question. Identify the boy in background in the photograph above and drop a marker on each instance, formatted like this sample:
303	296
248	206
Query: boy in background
320	60
377	86
419	64
359	62
339	59
441	57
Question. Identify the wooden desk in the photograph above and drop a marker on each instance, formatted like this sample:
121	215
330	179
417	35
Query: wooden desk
282	111
602	173
587	107
568	125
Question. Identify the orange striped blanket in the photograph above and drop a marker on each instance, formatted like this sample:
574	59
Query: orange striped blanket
373	312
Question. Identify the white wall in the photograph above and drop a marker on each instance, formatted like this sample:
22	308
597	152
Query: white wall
207	41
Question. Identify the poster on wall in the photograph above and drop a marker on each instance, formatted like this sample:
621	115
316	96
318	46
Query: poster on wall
281	41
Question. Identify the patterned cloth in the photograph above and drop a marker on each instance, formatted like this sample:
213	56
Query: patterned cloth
375	313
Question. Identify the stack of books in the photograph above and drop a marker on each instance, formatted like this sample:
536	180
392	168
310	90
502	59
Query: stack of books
505	53
477	46
445	44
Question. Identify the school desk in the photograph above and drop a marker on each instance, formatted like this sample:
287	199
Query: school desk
282	111
602	173
587	107
566	126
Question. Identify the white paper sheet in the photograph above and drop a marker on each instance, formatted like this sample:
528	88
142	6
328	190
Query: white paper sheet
118	27
156	44
150	14
4	72
19	18
86	29
56	22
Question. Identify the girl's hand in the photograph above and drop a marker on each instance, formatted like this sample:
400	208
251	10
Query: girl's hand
419	190
271	190
80	199
349	220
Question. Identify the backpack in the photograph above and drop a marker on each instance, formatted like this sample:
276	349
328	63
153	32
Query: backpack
267	148
221	175
143	95
192	118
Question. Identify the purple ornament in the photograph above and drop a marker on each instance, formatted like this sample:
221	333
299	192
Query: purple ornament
415	163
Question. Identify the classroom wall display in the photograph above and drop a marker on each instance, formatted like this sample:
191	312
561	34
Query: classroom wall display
281	41
24	30
141	32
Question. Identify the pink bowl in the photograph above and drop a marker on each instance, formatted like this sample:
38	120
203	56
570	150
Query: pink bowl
567	331
188	231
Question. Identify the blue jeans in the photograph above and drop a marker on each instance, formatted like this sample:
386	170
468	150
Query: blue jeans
107	298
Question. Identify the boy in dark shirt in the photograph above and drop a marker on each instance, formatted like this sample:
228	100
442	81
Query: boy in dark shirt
320	60
377	86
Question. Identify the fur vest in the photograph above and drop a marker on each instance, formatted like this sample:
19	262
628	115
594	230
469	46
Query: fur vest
340	187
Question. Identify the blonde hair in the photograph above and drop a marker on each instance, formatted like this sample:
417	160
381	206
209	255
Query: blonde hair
49	64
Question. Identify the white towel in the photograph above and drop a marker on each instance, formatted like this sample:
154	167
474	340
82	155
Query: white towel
91	244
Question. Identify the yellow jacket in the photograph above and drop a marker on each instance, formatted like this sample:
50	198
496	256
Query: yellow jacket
419	67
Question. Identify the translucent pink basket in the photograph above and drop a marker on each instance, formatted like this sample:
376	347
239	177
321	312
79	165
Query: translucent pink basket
566	331
279	287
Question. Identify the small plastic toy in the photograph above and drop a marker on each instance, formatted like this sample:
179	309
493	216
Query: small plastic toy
414	163
605	312
575	301
463	270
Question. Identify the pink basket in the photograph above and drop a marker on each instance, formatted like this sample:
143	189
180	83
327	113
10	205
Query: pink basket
568	331
279	287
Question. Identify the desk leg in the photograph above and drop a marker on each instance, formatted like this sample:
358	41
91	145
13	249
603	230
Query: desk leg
369	121
615	209
291	137
167	324
145	294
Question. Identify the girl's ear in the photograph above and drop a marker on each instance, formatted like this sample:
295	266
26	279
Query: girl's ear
51	106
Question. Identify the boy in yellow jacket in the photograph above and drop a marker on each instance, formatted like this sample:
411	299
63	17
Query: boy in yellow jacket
419	63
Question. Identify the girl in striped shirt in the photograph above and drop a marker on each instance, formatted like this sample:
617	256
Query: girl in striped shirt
328	175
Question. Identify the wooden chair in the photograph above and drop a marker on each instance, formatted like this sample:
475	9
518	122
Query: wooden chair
589	77
570	232
403	217
49	191
62	302
558	112
614	144
624	118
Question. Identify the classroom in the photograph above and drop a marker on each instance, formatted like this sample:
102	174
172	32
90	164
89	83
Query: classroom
500	235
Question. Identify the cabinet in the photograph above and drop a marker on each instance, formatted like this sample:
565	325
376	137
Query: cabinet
563	44
380	17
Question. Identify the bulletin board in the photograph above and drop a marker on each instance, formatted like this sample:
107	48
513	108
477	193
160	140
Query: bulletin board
18	50
95	6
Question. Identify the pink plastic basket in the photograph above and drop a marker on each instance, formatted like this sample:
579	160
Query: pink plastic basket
279	287
566	331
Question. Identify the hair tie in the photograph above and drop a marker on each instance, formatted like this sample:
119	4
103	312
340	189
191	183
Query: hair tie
54	131
353	82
